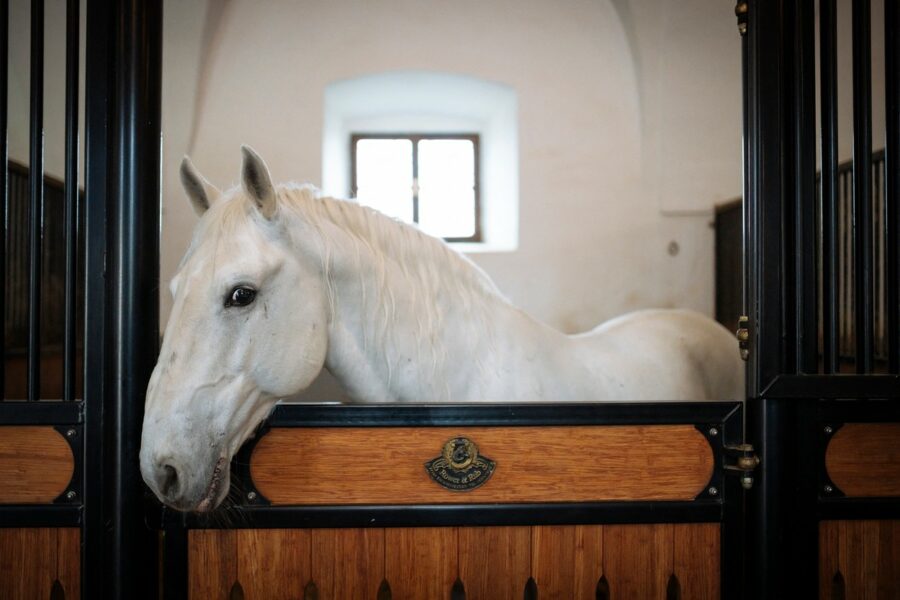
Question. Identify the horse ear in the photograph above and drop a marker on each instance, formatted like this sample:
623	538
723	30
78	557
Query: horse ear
257	182
200	192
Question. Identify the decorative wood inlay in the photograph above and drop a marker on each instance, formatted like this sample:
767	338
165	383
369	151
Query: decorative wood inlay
859	559
494	561
534	464
36	465
40	563
863	459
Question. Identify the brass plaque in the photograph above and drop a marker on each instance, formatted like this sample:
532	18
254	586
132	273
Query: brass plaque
459	467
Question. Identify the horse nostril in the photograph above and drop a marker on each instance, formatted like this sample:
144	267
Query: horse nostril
168	481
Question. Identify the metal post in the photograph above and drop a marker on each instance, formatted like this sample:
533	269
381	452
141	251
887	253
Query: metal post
862	185
892	180
829	182
133	279
4	177
71	196
36	199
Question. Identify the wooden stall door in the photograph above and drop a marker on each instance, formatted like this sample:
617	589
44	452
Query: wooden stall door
485	563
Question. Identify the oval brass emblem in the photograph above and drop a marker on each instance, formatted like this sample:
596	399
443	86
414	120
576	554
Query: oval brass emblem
459	467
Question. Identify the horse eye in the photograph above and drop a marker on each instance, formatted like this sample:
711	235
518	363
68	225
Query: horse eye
240	296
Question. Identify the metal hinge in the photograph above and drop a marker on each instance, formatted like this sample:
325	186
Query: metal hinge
745	462
743	336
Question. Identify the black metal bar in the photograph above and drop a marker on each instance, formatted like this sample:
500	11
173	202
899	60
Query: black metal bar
829	185
697	511
133	280
4	178
36	199
481	415
99	55
71	196
39	413
858	508
862	185
834	386
40	515
803	76
892	180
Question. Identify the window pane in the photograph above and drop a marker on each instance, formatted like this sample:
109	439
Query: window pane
447	187
384	176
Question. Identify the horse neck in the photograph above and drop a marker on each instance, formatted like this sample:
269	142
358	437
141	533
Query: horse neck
410	319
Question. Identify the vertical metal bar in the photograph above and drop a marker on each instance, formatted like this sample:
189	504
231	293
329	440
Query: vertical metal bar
4	179
71	196
36	199
862	183
133	281
805	326
97	136
892	179
829	183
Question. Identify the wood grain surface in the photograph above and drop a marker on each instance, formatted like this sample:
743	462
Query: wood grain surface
864	554
31	559
493	563
863	459
315	466
36	465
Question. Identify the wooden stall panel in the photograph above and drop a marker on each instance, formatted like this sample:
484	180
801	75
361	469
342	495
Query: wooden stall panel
494	562
212	563
36	465
420	562
273	563
32	560
859	559
347	563
863	459
316	466
638	560
567	561
697	553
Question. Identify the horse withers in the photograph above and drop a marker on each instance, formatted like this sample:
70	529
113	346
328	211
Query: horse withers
280	282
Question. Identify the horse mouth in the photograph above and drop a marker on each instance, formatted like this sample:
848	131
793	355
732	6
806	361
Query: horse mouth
212	490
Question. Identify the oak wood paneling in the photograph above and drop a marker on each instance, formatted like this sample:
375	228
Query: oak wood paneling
696	559
638	560
867	555
534	464
567	561
36	465
31	559
347	563
863	459
273	563
420	562
212	563
494	562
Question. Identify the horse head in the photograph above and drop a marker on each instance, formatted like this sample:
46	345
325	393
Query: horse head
248	326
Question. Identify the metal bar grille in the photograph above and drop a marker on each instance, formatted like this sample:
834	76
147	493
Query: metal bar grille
829	181
4	183
891	189
71	200
36	208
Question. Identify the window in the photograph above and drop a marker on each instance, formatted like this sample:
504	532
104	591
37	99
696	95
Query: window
427	179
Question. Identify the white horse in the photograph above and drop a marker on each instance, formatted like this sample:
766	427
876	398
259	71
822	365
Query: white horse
279	282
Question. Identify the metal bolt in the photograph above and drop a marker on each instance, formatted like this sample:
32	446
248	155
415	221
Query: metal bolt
828	430
746	482
70	495
70	433
251	496
828	489
713	431
713	491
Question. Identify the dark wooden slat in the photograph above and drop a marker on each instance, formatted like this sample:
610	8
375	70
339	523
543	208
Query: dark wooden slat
348	563
697	553
212	563
420	562
273	563
637	559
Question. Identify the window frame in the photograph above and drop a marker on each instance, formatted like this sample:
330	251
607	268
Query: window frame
415	138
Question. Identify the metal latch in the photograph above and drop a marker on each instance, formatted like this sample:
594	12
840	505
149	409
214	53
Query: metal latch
743	336
745	462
